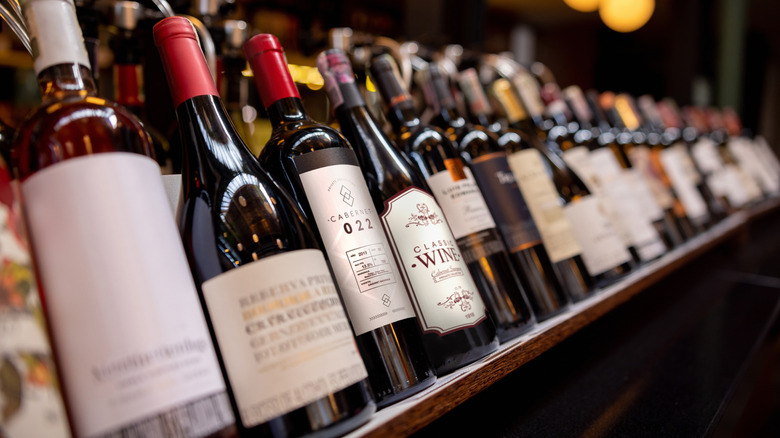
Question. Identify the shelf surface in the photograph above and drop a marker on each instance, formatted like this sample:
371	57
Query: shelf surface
450	391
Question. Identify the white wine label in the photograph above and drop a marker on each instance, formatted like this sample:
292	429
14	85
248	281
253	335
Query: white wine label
460	199
705	154
602	249
757	164
598	173
579	161
642	159
357	247
674	165
644	195
32	404
627	211
282	333
130	334
443	292
691	171
545	204
769	157
530	94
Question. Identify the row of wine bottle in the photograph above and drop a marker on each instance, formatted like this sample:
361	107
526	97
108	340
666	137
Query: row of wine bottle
337	272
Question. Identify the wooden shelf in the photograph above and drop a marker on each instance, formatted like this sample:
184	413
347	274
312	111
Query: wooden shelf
414	413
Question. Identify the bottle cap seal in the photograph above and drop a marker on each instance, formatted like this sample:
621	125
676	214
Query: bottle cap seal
185	67
272	76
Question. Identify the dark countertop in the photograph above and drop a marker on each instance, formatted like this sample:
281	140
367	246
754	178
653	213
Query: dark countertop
696	354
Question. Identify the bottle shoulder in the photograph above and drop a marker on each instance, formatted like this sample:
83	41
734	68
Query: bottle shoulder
77	126
304	136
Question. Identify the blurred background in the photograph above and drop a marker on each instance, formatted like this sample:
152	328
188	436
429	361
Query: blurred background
705	52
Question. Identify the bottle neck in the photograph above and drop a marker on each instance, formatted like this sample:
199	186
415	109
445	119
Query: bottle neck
286	111
403	118
63	80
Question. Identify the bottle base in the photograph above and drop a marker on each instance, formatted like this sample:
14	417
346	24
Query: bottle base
408	392
455	362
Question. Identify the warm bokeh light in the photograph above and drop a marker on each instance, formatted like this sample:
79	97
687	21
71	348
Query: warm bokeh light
583	5
626	15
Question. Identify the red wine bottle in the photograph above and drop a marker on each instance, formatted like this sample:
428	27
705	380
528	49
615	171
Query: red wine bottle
456	326
618	141
233	215
131	343
629	202
455	190
317	165
489	162
494	182
636	147
284	342
569	217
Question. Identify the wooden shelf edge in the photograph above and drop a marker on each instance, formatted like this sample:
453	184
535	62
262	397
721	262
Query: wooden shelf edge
414	413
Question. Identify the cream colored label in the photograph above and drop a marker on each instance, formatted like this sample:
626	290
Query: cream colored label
579	160
357	248
641	159
443	292
545	204
674	165
629	214
462	202
129	330
602	249
282	333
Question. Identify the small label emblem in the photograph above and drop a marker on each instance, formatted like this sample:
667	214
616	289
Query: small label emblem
423	217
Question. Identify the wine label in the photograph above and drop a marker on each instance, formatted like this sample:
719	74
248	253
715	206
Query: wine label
130	334
673	161
626	210
640	187
705	154
32	403
528	88
750	160
459	197
642	159
442	290
504	199
769	158
357	247
602	249
578	159
545	204
282	333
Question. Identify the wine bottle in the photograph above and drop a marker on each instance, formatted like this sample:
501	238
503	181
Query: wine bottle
32	402
456	191
128	75
618	141
623	191
743	189
716	206
131	343
284	341
502	194
457	329
318	166
561	204
643	151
